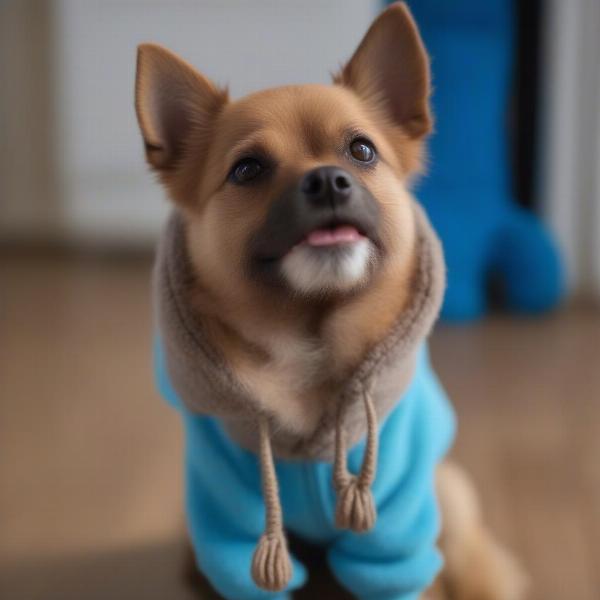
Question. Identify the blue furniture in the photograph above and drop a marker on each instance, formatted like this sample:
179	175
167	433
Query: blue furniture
467	191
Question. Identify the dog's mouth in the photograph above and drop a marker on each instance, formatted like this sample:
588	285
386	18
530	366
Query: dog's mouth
332	234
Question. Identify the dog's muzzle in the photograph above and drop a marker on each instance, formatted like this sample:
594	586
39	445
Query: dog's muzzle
324	198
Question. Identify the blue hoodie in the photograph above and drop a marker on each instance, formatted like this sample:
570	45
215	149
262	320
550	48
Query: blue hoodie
389	422
396	560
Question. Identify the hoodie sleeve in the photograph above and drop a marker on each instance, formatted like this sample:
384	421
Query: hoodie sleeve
399	559
226	513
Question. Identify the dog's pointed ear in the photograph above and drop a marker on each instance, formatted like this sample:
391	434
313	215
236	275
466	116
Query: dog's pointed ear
391	67
173	103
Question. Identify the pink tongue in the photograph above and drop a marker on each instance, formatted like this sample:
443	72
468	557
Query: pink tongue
344	234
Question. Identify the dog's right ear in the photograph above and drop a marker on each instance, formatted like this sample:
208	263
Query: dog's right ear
174	103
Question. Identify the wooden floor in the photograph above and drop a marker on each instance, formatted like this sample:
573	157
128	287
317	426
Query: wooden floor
90	470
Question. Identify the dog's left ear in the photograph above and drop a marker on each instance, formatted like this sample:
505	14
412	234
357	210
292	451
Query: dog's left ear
391	67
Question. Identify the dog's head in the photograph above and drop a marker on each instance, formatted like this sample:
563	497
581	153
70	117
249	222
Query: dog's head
301	188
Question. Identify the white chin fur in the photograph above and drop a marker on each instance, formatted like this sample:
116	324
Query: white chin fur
313	270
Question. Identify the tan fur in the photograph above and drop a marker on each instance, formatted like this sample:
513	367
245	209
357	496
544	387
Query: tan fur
292	357
292	351
477	567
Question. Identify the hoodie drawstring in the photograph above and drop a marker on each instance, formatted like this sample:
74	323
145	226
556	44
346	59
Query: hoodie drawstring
271	565
355	509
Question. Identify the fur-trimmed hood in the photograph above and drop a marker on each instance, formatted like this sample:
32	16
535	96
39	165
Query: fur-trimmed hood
207	385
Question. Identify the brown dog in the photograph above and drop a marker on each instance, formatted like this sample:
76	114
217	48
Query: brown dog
302	243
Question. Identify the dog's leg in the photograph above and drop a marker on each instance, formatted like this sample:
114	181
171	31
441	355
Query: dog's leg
436	591
476	566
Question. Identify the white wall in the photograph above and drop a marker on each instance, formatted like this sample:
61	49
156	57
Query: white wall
104	189
28	204
595	216
571	146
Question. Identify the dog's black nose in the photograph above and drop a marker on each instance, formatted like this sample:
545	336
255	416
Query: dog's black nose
327	186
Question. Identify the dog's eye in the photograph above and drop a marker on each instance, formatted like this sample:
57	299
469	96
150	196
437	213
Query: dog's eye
246	170
362	150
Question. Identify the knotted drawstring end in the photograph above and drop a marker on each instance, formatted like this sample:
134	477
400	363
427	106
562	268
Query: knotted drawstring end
271	565
355	507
